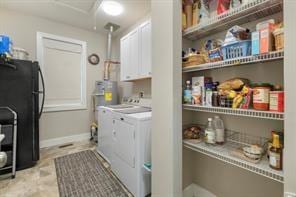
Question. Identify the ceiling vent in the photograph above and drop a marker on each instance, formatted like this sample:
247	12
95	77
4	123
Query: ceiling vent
84	6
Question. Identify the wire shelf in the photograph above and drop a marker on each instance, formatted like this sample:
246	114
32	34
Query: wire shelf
234	141
236	112
275	55
238	138
251	11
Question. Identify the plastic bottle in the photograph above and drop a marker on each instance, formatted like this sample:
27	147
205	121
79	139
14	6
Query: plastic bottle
187	93
220	130
215	95
209	95
210	134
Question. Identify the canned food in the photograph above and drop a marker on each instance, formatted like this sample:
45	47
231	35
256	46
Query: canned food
261	96
276	101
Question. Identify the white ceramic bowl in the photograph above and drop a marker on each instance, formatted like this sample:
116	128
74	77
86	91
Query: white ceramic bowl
253	152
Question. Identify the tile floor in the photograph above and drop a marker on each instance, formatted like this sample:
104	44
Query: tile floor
41	180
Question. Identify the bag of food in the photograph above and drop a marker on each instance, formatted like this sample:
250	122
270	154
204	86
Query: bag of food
247	92
233	84
193	132
237	33
223	6
204	10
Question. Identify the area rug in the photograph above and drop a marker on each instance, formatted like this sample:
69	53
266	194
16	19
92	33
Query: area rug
83	175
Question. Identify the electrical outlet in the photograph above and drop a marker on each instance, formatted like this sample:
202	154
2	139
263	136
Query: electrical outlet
141	94
288	194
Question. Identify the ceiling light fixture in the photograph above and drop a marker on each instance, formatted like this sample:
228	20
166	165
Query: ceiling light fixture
112	8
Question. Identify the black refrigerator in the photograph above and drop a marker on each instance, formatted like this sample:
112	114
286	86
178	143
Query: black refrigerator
19	90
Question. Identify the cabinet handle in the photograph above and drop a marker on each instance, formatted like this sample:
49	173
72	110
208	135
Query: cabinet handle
122	119
149	73
128	77
113	121
104	111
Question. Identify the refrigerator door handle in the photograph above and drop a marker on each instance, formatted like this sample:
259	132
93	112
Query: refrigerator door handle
42	91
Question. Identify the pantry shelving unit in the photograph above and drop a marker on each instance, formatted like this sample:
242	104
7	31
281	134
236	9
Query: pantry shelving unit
262	58
250	11
223	153
236	112
235	141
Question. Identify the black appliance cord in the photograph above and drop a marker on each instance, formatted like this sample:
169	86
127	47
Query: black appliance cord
43	91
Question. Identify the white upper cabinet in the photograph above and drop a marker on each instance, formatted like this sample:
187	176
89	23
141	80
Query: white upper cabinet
145	49
133	53
135	50
124	58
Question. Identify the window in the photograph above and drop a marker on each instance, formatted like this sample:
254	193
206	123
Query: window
63	63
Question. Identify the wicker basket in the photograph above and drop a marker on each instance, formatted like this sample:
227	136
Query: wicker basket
194	60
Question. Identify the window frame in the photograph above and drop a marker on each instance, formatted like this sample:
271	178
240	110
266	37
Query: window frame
40	58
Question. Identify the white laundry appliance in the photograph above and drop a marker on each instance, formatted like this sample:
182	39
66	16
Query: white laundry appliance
104	116
124	140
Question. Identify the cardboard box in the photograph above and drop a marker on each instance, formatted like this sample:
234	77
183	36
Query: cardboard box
201	81
255	43
266	38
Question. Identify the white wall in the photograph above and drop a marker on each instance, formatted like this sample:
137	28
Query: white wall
22	29
226	180
290	106
166	99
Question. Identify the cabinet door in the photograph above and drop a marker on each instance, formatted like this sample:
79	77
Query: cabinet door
124	58
105	128
124	164
124	147
145	49
133	68
101	128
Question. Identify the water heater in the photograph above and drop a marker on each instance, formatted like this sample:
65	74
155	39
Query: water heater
106	93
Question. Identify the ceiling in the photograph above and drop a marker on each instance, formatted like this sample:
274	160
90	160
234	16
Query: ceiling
81	13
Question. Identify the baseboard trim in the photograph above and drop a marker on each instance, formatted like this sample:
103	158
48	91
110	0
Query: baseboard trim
194	190
63	140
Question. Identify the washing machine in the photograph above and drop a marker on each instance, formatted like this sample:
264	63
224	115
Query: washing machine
126	143
132	149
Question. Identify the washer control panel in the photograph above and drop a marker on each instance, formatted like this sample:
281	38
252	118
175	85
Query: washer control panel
143	102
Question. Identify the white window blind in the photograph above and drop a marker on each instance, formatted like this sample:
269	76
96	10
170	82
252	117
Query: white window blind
63	62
